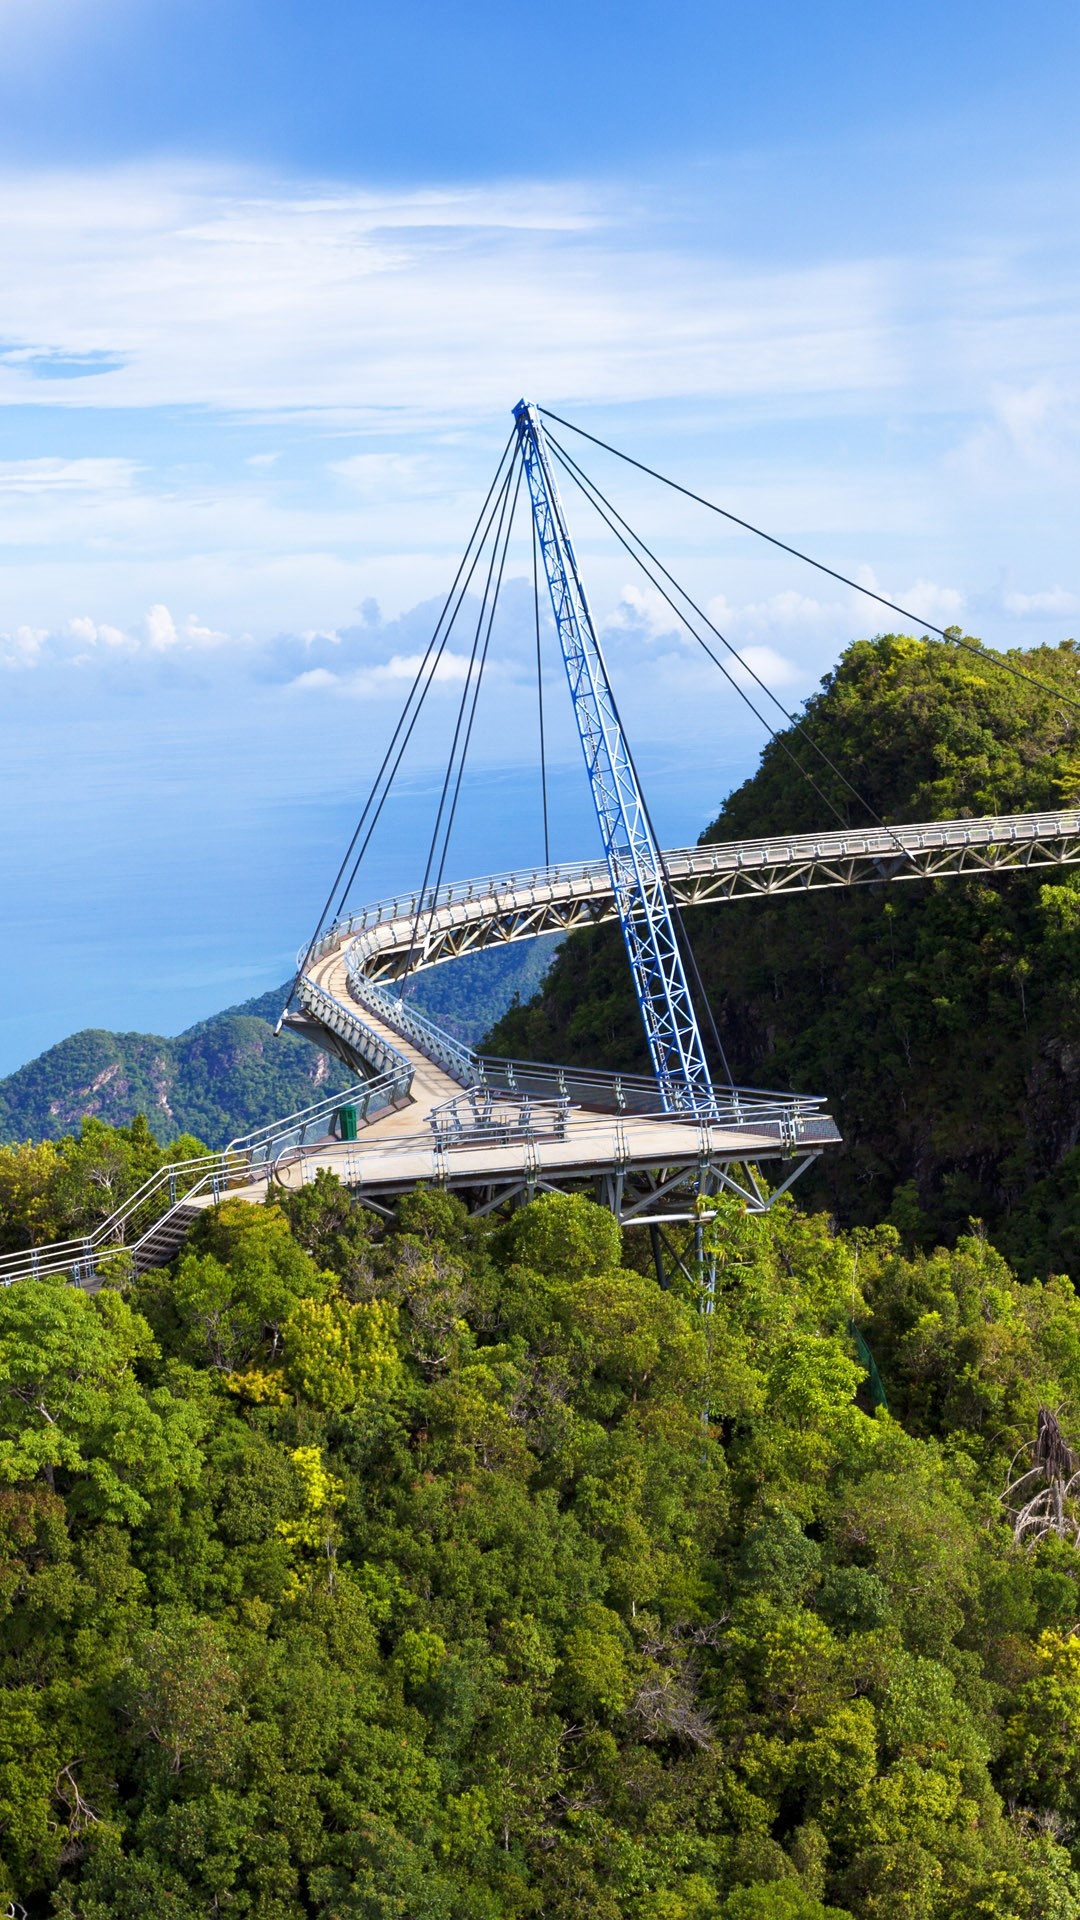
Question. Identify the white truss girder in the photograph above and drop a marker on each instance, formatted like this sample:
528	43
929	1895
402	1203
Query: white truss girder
468	916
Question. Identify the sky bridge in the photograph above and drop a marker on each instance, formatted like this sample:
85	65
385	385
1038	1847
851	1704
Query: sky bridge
654	1148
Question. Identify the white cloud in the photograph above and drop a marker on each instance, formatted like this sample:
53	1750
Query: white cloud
222	291
928	603
50	477
938	606
94	633
83	641
787	611
1031	437
643	610
398	321
375	475
768	665
161	629
386	677
315	679
25	644
1053	600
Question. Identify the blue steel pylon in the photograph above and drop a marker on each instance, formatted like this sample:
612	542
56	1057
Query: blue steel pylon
633	857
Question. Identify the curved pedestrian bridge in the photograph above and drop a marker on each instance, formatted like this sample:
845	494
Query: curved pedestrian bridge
426	1108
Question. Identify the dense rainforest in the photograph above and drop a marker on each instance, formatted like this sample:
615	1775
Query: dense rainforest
442	1568
941	1018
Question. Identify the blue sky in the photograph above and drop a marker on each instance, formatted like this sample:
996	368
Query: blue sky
274	276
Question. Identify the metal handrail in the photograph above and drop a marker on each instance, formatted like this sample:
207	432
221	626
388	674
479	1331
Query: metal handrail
629	1092
784	1125
455	1059
367	1096
241	1162
482	1114
451	893
373	1047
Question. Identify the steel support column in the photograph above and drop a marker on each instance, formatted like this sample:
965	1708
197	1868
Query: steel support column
633	857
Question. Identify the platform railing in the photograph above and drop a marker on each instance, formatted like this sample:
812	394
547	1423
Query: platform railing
484	1116
367	1098
580	1139
637	1092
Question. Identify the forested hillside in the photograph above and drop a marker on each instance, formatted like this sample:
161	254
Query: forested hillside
221	1078
942	1019
448	1570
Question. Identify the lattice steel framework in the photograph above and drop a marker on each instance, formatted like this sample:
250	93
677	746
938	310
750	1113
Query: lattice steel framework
633	856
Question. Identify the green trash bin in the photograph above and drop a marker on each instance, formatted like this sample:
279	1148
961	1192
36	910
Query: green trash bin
347	1122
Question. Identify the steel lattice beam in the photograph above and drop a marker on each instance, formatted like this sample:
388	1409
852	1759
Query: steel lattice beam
634	860
468	916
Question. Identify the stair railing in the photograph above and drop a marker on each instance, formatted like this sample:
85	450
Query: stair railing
244	1161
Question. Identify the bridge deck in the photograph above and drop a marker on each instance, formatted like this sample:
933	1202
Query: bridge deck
394	1154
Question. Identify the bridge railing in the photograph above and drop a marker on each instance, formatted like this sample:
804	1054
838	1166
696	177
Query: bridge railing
373	1047
634	1092
478	1151
414	906
482	1116
367	1098
172	1185
455	1059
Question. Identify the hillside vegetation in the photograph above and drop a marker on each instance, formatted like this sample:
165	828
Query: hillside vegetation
355	1570
218	1080
941	1019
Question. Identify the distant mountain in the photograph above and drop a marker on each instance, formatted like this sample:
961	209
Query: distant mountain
231	1073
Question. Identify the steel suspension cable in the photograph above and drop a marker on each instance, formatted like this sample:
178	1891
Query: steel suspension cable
430	676
504	493
950	638
540	696
729	677
590	488
476	692
397	730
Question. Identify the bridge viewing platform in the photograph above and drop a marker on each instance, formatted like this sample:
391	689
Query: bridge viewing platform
495	1131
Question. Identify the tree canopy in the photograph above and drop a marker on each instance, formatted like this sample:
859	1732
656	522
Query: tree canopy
446	1567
